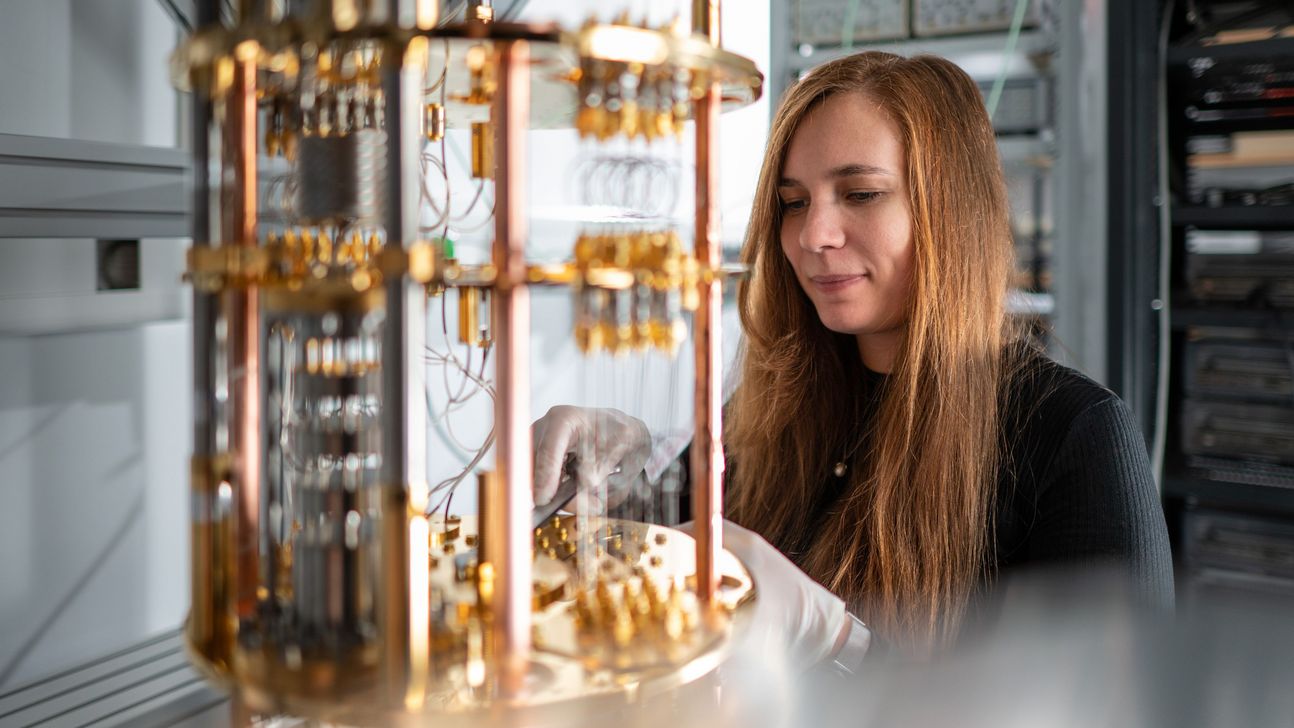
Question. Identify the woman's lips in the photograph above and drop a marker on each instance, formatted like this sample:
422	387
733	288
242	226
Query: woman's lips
838	282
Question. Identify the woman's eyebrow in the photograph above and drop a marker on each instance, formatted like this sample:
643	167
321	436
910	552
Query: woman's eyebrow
852	170
844	170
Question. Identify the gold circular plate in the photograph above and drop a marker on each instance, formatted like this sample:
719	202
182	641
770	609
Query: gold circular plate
555	60
574	665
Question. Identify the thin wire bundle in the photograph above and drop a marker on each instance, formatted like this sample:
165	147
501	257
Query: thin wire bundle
470	384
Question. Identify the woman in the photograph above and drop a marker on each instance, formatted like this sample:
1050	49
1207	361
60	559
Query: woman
892	434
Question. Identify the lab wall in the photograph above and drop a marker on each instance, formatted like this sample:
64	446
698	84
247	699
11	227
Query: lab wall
94	420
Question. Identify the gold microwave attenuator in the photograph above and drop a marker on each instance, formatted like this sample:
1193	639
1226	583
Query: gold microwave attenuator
321	585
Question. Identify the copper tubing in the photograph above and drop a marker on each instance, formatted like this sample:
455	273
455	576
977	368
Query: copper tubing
242	311
491	525
707	449
510	315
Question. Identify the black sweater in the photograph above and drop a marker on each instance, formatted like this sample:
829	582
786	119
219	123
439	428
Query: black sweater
1076	487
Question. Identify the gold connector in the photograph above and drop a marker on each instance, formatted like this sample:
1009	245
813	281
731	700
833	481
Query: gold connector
472	330
632	290
480	12
434	122
482	150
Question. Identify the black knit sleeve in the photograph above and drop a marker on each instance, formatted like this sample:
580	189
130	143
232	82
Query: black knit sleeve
1097	504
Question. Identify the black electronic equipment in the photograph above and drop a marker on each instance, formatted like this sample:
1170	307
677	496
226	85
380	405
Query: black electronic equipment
1241	368
1260	432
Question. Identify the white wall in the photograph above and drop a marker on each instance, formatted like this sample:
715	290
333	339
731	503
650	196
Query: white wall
95	431
94	425
35	68
87	69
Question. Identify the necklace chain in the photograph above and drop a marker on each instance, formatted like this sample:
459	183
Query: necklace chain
842	465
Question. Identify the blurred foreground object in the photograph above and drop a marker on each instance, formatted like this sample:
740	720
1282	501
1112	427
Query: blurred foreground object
325	581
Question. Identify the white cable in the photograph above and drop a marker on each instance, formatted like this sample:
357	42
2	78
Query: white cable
443	423
1017	22
1160	424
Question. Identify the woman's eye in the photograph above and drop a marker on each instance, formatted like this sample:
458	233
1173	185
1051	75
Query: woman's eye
794	205
862	196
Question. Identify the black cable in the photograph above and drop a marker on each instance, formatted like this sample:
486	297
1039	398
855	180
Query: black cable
177	15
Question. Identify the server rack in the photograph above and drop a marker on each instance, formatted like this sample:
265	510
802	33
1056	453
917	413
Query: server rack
1227	126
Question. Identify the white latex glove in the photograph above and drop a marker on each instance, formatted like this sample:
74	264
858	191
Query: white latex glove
609	447
796	619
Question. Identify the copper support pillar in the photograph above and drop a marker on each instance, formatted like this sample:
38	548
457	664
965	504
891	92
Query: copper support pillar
511	319
707	448
705	20
242	317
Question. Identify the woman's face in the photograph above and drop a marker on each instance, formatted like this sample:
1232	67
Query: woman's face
846	224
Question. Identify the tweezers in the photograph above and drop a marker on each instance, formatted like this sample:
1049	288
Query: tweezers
567	484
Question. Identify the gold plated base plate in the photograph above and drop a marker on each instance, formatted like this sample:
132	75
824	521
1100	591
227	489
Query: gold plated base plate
615	620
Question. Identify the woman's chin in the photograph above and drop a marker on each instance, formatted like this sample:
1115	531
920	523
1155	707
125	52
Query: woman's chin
845	326
843	323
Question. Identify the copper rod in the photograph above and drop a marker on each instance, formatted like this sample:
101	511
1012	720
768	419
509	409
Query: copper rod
707	447
510	628
243	319
705	20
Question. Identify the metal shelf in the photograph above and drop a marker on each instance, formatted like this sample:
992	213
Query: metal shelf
148	684
1235	217
1027	303
1184	55
1232	495
63	188
1226	317
1026	149
980	54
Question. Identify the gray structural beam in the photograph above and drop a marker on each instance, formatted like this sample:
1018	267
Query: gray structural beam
67	188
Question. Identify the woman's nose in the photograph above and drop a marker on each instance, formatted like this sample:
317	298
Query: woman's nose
822	229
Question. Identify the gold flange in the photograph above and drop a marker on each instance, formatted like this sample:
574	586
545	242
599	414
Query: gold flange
205	61
311	268
741	79
194	64
321	299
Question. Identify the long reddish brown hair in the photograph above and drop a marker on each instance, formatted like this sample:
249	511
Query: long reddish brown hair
908	538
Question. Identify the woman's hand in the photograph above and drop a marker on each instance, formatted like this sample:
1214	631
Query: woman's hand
796	619
608	446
